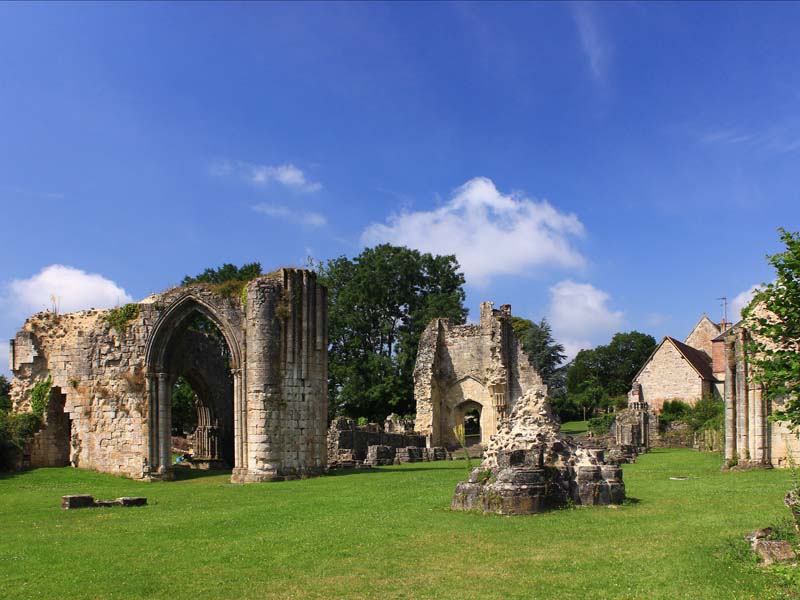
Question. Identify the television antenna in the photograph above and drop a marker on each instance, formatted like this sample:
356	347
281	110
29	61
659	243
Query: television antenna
724	308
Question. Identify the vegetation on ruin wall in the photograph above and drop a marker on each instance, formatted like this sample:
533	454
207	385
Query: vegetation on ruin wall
228	280
775	348
119	317
389	534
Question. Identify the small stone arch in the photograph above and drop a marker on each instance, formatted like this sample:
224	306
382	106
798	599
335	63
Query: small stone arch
160	381
462	412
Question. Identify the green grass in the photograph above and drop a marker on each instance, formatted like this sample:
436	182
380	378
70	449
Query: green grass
575	427
384	534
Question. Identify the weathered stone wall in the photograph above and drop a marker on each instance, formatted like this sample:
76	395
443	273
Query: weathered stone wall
461	366
118	384
669	376
702	335
347	441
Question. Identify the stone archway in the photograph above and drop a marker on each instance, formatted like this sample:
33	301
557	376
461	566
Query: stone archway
118	366
165	362
470	414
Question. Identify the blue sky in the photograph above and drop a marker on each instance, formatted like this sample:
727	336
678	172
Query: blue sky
609	166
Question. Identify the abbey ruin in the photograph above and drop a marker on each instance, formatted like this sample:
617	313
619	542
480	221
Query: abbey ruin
461	369
256	358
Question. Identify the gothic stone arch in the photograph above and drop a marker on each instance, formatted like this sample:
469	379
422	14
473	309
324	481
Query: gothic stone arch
118	384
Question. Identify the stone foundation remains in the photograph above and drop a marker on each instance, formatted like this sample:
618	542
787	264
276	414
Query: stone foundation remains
350	445
528	468
263	398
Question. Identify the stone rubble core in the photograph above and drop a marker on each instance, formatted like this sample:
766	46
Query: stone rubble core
87	501
262	399
528	468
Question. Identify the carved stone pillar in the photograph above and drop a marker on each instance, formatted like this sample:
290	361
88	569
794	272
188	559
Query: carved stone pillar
165	423
730	400
153	458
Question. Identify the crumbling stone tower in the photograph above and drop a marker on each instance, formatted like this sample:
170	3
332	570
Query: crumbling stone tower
463	368
110	404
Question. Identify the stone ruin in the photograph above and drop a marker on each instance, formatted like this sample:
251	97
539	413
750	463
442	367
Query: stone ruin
528	468
257	361
462	370
351	445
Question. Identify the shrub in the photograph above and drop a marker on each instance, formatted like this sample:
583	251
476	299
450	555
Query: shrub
40	395
601	425
672	411
119	317
16	430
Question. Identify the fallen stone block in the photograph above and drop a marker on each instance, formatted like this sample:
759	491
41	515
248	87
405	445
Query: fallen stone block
774	551
86	501
77	501
132	501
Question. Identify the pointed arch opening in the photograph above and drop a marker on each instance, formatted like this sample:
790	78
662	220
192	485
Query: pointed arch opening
194	390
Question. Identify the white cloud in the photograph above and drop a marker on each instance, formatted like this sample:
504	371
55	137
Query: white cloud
489	232
580	316
74	290
740	301
312	219
287	175
595	45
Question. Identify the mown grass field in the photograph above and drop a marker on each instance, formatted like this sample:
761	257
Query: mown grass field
384	534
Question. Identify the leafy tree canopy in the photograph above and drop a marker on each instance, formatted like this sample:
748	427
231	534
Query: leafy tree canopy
379	303
775	350
596	378
547	356
225	273
184	408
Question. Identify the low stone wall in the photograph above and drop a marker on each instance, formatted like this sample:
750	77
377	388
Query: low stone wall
347	442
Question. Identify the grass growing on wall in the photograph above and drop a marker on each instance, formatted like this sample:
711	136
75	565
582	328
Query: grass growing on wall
386	533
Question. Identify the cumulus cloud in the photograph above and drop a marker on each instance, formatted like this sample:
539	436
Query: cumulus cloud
72	288
580	315
312	219
742	300
490	233
286	175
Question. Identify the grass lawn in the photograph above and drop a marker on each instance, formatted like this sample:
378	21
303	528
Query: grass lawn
575	427
385	533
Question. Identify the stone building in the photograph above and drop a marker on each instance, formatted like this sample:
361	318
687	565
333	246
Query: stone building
465	370
256	360
751	439
678	370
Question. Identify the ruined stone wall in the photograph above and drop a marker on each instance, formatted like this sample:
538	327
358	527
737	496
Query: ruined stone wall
668	376
482	364
118	385
347	441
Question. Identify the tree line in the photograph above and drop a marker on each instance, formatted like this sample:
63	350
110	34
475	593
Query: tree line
381	300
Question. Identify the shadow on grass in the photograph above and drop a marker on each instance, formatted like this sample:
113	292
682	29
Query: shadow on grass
183	474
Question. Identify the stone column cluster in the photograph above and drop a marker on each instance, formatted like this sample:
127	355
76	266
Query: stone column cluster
746	425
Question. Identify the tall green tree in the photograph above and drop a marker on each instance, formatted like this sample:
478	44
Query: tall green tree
379	304
596	377
775	350
5	390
